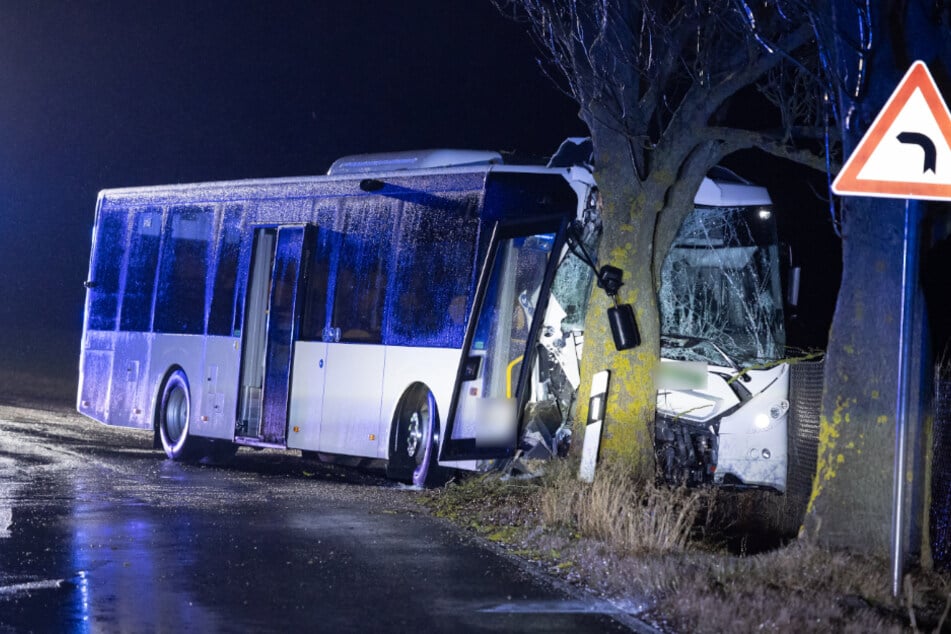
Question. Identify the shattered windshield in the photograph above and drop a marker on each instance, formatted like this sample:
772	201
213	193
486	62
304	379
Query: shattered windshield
720	283
571	288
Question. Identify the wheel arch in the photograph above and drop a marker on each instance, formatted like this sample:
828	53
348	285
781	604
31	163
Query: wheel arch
412	391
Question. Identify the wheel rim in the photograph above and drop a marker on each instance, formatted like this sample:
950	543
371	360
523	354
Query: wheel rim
421	439
176	414
415	435
419	432
415	439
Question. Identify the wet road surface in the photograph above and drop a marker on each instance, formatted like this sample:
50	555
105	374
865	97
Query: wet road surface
99	533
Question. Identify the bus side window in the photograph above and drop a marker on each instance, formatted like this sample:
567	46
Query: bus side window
434	270
180	306
226	273
314	312
107	264
360	284
136	312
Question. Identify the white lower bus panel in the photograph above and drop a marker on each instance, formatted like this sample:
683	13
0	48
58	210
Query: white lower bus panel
731	432
344	412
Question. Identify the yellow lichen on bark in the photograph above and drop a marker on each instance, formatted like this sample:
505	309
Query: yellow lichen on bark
829	433
627	434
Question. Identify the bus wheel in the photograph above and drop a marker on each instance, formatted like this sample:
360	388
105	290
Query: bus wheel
415	441
173	416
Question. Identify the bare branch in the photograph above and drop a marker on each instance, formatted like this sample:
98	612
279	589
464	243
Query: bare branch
733	139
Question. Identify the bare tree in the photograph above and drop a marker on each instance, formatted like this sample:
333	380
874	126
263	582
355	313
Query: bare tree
657	82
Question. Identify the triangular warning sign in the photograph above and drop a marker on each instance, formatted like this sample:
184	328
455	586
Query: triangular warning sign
906	153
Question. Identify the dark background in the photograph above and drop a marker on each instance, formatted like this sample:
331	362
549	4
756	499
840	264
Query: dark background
110	94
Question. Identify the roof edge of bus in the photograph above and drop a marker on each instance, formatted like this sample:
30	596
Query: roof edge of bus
720	193
271	181
412	160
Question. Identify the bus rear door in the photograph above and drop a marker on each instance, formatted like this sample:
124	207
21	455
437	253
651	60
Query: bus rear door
279	257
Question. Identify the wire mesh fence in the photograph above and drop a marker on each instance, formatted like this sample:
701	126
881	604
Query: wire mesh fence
941	473
805	400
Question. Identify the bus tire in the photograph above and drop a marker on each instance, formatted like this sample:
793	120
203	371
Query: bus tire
173	416
414	441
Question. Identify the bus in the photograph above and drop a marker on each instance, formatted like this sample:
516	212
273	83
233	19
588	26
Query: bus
417	310
735	412
380	312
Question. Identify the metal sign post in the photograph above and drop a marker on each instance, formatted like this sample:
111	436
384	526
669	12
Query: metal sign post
900	493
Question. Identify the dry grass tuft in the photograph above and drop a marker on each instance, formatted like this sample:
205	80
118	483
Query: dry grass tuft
487	502
801	588
660	551
628	514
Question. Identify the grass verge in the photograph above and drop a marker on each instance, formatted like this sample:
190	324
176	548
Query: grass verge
679	555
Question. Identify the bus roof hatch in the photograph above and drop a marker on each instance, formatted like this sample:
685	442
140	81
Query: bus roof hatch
413	160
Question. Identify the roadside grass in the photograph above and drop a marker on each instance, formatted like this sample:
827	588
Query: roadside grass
37	388
678	559
39	365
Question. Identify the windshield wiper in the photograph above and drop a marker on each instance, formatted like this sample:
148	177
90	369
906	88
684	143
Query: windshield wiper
693	342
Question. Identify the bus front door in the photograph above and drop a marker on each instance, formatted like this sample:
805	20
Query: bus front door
272	318
493	381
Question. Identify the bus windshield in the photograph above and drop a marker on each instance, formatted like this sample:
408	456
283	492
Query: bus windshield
721	283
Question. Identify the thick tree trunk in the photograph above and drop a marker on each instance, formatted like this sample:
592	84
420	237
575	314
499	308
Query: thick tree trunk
627	243
852	497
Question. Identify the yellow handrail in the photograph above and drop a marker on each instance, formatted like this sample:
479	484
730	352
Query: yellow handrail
508	375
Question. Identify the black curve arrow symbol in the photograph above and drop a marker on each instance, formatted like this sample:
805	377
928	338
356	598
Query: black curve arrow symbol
931	153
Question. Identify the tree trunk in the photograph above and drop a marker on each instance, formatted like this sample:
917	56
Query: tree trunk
852	496
626	243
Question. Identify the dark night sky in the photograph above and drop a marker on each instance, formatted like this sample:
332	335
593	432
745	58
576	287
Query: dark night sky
110	93
98	94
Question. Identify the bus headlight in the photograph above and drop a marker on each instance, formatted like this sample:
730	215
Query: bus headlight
778	410
765	420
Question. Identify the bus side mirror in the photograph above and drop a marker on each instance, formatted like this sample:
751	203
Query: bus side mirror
621	316
792	286
624	327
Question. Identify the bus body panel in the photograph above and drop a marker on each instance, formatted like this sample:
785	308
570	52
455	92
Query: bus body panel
337	416
307	395
129	386
350	421
219	387
170	351
114	385
95	376
753	441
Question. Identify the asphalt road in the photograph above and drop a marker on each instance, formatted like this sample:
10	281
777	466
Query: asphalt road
100	533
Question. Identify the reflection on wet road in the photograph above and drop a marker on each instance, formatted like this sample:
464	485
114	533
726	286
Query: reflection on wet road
98	532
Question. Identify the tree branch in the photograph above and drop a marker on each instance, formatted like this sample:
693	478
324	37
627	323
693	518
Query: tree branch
734	139
734	82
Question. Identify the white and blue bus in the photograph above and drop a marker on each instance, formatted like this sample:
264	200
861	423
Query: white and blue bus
408	309
380	312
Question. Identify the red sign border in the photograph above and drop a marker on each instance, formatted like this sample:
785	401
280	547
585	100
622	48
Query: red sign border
847	182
